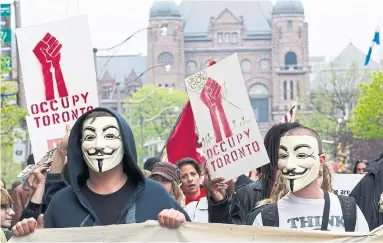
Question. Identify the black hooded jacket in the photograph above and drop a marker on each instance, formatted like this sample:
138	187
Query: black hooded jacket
70	208
367	194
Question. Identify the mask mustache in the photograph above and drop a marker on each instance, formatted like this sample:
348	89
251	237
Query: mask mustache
293	172
100	152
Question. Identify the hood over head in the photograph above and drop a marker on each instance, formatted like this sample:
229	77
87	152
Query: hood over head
77	169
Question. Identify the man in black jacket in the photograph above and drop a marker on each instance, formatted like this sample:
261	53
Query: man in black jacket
103	173
367	194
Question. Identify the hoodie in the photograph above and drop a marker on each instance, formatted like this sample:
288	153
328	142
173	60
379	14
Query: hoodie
70	208
367	194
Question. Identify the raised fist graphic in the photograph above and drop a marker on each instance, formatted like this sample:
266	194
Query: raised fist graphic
48	50
48	53
211	96
212	93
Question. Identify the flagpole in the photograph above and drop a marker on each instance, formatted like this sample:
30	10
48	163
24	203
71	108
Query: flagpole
174	127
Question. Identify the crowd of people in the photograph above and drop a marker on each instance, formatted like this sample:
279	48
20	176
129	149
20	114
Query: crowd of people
94	180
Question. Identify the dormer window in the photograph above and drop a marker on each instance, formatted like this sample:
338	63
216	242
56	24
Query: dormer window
234	38
227	38
219	38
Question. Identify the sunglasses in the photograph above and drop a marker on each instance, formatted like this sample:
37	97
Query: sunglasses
7	207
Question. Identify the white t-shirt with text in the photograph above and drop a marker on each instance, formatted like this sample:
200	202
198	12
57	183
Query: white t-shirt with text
300	213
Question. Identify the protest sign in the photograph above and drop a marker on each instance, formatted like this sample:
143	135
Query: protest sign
47	159
343	184
151	231
225	120
59	78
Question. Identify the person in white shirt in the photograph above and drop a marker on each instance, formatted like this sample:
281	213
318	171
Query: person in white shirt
307	206
198	211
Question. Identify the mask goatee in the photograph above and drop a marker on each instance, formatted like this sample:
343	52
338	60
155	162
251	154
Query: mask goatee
292	185
99	165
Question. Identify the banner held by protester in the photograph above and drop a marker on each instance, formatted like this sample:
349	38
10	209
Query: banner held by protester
151	231
225	120
59	78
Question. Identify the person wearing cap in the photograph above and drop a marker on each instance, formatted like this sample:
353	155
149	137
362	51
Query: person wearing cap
168	175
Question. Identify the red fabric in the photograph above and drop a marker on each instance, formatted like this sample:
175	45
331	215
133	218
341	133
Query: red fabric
190	199
211	63
179	145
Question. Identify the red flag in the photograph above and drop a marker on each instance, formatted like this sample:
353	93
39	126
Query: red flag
181	143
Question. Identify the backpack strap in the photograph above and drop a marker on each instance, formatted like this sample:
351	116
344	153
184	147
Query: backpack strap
326	211
348	205
252	215
270	216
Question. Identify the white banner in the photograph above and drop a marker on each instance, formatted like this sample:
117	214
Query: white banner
225	120
59	77
151	231
343	184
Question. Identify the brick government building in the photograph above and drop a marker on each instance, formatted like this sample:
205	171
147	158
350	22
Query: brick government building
271	42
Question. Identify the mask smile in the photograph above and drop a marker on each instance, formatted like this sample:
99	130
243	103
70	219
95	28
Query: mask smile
100	153
297	163
102	146
291	174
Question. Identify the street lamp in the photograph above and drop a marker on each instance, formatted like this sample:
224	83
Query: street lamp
167	69
142	120
120	103
149	95
164	32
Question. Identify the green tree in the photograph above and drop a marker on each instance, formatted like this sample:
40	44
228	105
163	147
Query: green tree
10	118
331	103
367	121
157	110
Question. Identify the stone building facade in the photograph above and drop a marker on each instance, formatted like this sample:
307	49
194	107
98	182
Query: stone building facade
271	42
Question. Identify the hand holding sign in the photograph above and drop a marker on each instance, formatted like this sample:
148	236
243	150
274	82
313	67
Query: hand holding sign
40	174
217	187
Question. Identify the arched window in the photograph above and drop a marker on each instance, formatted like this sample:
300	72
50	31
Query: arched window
246	65
257	90
259	98
291	90
165	58
285	90
290	59
191	67
264	64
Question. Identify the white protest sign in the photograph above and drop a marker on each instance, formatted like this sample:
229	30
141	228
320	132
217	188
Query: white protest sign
59	77
225	120
343	184
44	139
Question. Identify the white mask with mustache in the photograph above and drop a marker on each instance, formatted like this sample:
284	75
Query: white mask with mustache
102	146
298	161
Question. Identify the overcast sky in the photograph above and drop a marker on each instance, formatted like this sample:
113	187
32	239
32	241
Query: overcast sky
332	23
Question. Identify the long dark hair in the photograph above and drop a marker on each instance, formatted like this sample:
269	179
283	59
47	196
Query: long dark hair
359	162
271	142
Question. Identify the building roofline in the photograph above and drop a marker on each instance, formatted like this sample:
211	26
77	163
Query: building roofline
228	49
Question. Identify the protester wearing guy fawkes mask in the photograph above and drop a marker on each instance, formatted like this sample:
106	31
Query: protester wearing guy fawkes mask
307	206
235	209
106	185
